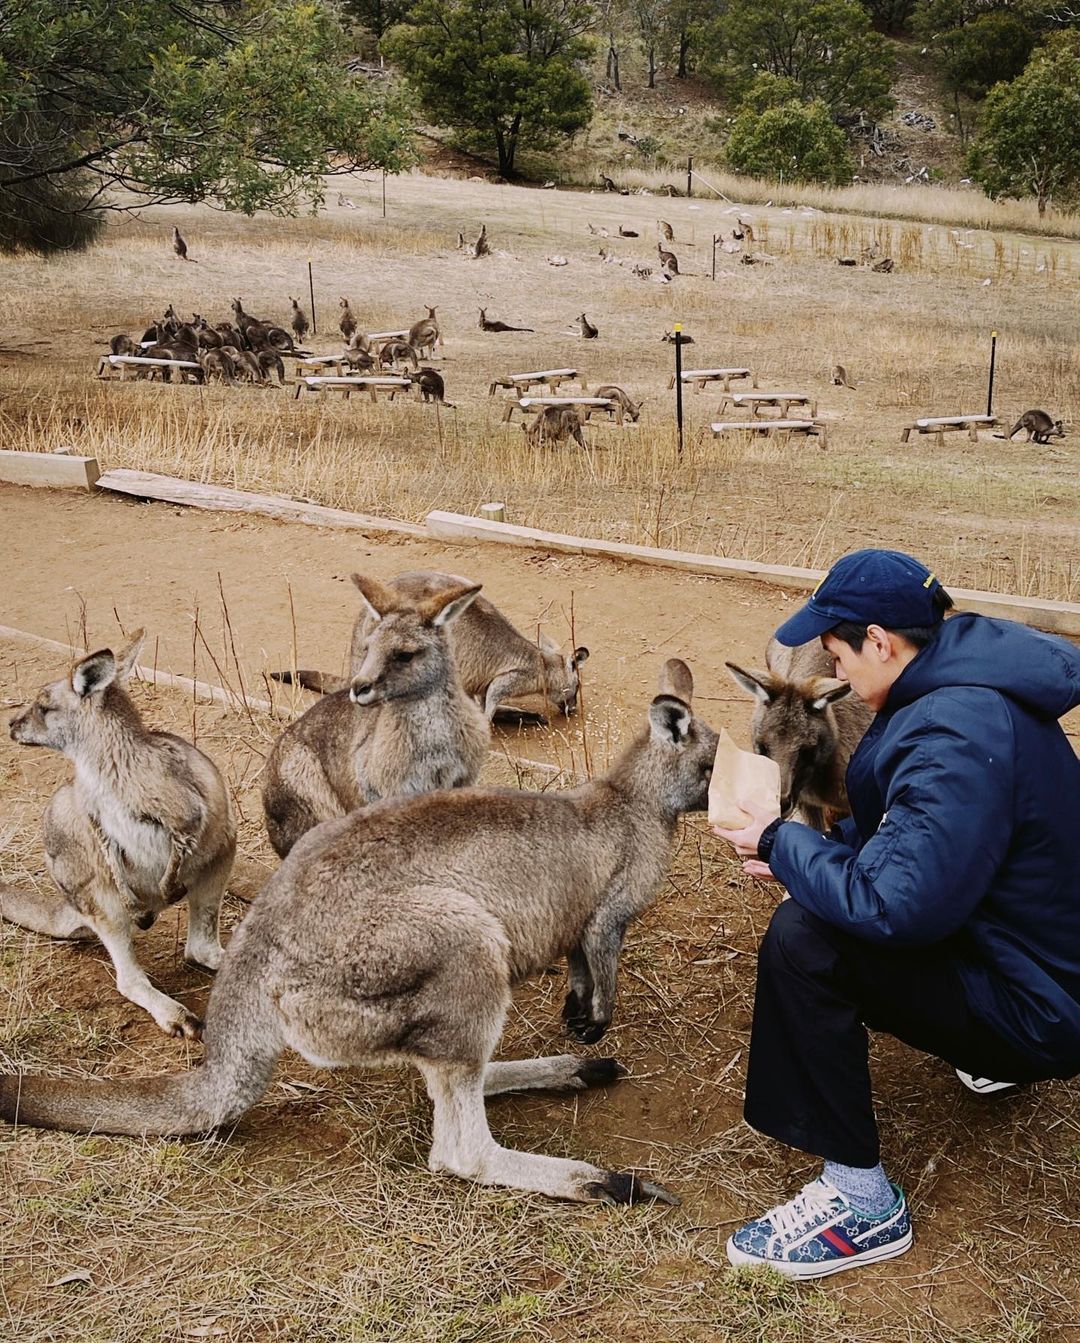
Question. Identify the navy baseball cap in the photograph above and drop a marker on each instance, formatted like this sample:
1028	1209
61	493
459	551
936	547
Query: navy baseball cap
868	587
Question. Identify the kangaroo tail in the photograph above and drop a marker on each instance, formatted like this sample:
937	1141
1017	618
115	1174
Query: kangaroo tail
242	1046
321	682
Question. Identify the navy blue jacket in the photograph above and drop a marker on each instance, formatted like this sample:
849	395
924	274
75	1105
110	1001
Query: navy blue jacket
965	829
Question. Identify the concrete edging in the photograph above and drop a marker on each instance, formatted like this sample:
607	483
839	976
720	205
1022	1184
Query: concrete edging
55	470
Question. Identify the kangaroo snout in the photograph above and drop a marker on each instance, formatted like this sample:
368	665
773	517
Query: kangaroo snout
365	690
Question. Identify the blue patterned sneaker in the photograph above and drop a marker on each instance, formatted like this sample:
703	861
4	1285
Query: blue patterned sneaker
819	1232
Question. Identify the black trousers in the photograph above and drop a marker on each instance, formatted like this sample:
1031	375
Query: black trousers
818	989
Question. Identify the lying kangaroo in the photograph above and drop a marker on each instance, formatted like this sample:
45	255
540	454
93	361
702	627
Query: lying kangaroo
588	330
554	424
805	720
485	325
493	659
397	935
146	821
632	409
1040	427
405	725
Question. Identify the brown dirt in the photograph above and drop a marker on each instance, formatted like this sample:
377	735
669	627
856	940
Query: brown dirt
980	1174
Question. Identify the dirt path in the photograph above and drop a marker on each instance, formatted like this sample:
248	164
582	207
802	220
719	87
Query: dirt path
155	566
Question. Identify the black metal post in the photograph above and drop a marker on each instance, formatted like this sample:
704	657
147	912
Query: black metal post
716	238
678	383
690	175
384	193
993	359
311	295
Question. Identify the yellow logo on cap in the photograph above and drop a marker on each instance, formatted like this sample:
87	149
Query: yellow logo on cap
929	579
820	581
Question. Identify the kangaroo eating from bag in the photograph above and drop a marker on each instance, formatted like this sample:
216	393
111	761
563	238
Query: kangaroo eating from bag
808	722
404	725
397	934
494	660
146	821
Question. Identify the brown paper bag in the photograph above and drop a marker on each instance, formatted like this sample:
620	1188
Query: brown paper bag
741	775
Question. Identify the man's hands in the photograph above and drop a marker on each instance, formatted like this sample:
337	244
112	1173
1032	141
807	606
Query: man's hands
745	841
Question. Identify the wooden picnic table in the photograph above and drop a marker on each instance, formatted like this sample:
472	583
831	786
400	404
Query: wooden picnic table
587	403
123	362
372	385
816	428
550	377
783	400
940	425
702	376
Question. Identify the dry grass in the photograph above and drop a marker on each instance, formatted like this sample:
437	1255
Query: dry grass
314	1221
989	515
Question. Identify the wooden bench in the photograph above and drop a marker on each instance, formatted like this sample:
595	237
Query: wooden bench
815	428
700	377
123	362
347	386
587	404
320	360
942	424
782	400
550	377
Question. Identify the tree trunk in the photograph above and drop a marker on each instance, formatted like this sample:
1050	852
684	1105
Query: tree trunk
652	66
1041	200
613	63
684	48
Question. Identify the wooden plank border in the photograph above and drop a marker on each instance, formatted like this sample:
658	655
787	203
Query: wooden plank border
172	490
461	529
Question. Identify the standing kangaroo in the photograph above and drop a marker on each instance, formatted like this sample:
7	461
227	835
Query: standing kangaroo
805	720
424	335
146	821
397	935
494	660
299	321
347	321
668	260
405	725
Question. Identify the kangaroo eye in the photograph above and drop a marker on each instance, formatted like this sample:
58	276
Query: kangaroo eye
402	656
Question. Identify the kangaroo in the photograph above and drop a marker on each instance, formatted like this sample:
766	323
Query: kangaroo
122	344
885	266
747	230
432	387
248	368
216	364
424	335
360	361
627	232
809	723
270	362
397	934
299	321
840	377
146	820
405	725
347	321
553	425
664	231
613	393
668	260
1040	427
481	247
668	338
607	183
179	246
588	331
485	325
396	352
207	337
493	659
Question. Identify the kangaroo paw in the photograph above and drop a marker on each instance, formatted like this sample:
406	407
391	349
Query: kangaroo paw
620	1187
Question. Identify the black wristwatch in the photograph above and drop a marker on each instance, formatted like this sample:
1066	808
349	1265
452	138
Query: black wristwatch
768	839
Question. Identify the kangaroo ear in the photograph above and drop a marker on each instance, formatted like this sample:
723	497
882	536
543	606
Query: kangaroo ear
677	680
578	656
547	643
827	690
376	596
669	720
756	683
442	607
95	672
128	656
